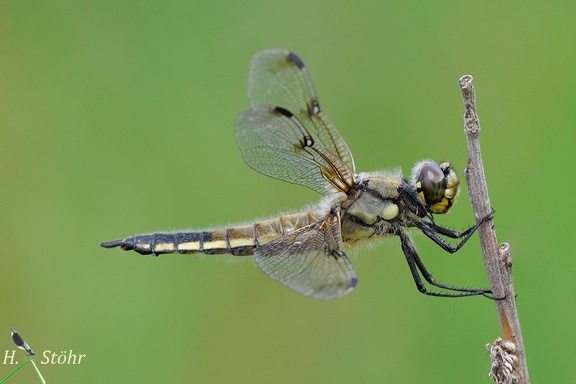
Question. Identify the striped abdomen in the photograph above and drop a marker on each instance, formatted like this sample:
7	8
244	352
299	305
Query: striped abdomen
239	240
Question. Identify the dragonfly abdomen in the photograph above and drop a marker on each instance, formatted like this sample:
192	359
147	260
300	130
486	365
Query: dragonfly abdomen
208	242
239	240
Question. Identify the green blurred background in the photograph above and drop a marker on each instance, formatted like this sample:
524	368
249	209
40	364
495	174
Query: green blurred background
117	118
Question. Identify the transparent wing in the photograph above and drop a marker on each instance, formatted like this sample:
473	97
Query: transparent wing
310	260
286	134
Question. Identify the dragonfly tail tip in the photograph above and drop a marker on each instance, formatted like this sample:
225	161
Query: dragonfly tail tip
112	244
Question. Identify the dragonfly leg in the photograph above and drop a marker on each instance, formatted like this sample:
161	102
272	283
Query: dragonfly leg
432	230
417	267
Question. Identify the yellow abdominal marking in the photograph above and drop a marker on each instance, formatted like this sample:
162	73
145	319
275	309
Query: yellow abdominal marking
189	246
164	247
241	242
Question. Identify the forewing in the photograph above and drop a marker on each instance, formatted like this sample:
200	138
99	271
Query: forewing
279	77
310	261
286	125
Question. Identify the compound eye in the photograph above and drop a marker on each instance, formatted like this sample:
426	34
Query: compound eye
431	183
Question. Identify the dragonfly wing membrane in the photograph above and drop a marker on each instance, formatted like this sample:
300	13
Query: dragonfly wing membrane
275	144
279	77
286	115
310	261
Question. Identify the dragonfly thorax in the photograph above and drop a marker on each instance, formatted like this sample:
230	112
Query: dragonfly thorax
375	199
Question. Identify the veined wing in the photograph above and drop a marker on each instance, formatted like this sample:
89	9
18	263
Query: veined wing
285	134
310	260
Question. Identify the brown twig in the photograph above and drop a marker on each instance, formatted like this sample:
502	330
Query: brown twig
497	259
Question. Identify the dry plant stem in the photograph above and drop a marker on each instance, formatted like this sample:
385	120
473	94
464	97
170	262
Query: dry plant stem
497	259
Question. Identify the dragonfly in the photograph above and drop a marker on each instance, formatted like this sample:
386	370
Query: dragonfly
285	134
20	343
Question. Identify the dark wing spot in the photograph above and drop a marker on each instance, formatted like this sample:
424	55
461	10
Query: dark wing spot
295	59
283	112
354	282
306	140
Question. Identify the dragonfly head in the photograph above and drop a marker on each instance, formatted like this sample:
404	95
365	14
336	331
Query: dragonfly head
437	185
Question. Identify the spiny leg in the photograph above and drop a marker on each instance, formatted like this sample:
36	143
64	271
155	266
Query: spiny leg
432	230
415	264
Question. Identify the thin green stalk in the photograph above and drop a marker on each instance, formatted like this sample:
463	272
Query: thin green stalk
16	370
38	371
